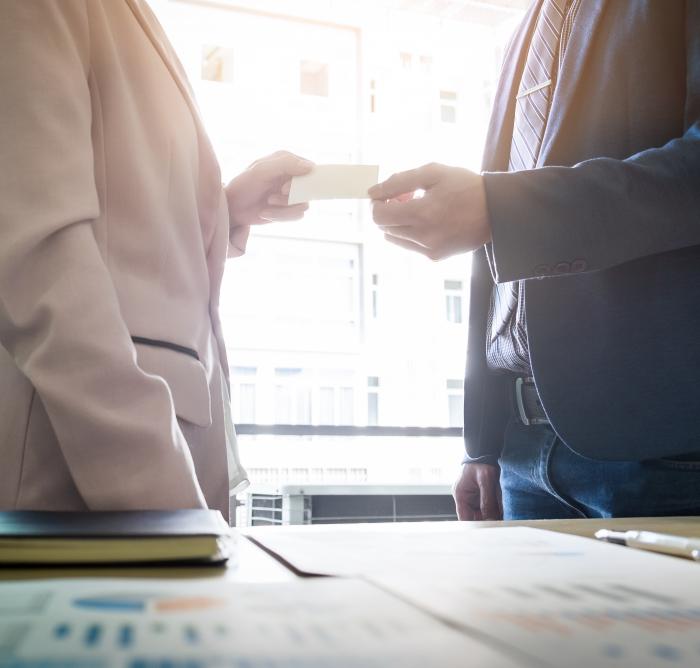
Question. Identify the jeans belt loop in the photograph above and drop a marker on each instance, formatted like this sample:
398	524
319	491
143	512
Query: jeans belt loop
523	385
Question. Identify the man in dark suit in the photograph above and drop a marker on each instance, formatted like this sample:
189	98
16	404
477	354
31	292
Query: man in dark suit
583	363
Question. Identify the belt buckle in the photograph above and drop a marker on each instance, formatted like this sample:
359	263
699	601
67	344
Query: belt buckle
520	382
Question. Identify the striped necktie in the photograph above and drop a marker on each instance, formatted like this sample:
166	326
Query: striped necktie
508	348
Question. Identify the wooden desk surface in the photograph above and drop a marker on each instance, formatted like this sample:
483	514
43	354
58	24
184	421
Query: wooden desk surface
683	526
255	565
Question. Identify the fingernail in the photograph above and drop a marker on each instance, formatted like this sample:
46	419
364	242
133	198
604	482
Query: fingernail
305	163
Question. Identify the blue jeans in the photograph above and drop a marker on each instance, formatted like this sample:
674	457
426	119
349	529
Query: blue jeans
542	478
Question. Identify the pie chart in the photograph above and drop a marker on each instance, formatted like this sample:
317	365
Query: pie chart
138	602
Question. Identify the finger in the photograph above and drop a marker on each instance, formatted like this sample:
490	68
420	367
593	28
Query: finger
276	154
465	512
283	213
408	245
282	167
406	182
397	213
406	232
277	199
487	498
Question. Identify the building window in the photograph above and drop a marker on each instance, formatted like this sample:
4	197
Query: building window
246	403
217	64
372	401
406	60
372	96
347	405
455	402
292	397
453	301
448	106
327	404
313	78
426	64
375	295
244	393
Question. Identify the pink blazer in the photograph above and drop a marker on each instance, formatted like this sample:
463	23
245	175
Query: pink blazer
113	240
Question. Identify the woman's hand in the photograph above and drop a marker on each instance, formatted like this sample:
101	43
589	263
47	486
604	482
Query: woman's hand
259	194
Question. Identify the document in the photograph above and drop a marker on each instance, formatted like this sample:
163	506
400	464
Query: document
334	182
545	594
150	623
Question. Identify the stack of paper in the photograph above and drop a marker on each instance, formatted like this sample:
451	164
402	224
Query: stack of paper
561	600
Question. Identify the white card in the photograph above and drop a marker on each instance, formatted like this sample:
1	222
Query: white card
334	182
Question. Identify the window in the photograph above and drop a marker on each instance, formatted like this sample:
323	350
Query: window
292	396
217	64
448	106
453	301
375	295
301	309
243	393
455	402
372	401
313	78
327	395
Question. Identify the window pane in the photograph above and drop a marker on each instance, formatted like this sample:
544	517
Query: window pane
372	409
347	407
246	403
456	409
327	395
313	78
283	405
217	64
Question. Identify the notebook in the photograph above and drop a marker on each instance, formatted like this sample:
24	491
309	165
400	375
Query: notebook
114	537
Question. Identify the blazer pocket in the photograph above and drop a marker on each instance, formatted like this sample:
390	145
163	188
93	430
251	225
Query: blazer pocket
185	375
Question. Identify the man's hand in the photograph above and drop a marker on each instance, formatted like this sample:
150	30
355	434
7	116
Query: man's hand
259	194
477	493
450	218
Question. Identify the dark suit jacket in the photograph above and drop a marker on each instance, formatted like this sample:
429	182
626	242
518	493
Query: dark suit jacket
606	233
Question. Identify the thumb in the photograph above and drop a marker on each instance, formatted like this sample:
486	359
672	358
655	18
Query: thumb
406	182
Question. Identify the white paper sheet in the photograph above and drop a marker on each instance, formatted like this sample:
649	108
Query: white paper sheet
198	624
334	182
563	600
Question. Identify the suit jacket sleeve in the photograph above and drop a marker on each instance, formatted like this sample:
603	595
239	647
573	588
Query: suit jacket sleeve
59	314
602	212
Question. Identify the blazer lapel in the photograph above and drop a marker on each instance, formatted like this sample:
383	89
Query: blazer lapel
209	170
572	70
500	132
150	25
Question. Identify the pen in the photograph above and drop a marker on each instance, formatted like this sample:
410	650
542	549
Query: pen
655	542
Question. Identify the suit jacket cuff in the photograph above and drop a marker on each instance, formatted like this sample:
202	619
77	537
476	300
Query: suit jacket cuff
525	242
491	459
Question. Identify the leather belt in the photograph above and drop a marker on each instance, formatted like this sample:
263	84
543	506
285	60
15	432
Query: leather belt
528	407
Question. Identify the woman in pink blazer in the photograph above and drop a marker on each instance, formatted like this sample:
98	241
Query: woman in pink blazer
114	231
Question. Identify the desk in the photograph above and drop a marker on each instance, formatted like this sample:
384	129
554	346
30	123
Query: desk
255	566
